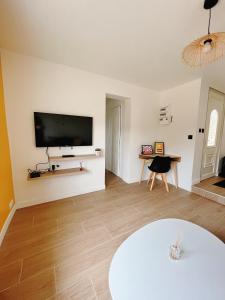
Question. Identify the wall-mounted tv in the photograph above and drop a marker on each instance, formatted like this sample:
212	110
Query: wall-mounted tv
54	130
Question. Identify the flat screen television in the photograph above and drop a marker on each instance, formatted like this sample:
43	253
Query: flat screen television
54	130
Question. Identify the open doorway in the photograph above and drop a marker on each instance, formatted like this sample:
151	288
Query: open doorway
213	135
114	139
212	184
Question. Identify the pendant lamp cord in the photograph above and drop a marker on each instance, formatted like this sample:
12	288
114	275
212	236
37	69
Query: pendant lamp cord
210	14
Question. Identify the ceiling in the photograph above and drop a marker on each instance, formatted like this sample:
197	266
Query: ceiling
138	41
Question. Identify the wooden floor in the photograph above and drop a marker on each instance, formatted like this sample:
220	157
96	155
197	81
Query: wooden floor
112	180
208	185
62	250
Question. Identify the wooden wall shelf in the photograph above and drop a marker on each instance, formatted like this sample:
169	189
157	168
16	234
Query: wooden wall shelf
62	172
65	172
77	157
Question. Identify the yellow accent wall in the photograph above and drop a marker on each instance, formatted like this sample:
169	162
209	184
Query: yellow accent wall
6	185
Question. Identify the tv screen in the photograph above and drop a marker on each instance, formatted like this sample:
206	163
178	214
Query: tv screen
54	130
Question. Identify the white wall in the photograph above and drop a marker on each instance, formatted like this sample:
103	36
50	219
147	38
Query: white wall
32	84
184	102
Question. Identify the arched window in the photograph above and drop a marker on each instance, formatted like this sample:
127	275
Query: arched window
213	123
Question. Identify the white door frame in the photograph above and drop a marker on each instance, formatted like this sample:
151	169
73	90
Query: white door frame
119	142
119	156
202	177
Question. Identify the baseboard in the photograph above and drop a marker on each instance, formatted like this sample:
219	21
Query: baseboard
41	201
196	181
7	223
129	181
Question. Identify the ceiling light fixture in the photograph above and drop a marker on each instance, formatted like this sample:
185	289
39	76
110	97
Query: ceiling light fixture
207	48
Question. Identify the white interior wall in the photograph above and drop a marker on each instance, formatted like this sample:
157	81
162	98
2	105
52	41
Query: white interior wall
183	101
32	84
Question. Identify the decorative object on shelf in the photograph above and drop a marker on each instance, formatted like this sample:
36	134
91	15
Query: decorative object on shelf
207	48
46	164
176	250
34	174
81	166
159	148
54	167
146	149
98	151
165	117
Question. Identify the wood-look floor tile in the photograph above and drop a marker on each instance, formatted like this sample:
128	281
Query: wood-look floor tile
32	247
121	225
83	205
93	224
105	296
59	254
75	228
70	270
105	201
81	290
30	233
19	223
78	217
9	275
38	287
99	278
89	229
54	212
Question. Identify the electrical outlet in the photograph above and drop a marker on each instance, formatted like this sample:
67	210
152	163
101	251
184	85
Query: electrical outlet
11	204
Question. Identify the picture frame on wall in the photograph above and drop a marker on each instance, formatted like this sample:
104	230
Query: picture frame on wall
146	149
159	148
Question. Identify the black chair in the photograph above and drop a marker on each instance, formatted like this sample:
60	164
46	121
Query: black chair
160	165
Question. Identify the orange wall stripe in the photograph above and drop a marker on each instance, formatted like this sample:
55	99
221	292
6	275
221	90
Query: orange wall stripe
6	185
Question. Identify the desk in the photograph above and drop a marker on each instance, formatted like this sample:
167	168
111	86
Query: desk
174	160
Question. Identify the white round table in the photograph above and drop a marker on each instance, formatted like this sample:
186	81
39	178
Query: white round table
141	268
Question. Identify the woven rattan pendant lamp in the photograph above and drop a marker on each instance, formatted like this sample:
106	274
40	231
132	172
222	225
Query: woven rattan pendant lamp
207	48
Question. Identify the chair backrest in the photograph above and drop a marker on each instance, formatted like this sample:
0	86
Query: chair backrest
160	164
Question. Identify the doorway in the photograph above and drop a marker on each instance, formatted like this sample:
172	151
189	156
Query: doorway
113	151
213	134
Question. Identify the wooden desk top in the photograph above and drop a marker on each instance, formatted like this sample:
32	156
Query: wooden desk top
151	156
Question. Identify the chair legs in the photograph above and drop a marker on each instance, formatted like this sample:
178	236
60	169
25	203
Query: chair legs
153	180
150	177
164	179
